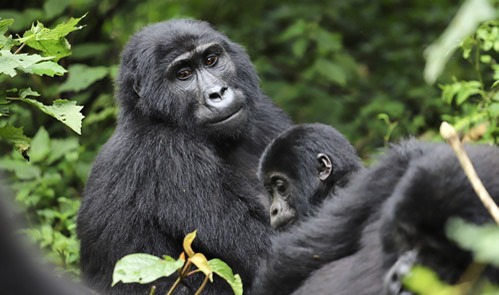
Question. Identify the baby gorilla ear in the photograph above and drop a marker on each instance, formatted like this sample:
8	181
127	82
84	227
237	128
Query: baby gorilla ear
325	166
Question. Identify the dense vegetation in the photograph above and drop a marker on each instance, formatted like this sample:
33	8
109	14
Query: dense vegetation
357	65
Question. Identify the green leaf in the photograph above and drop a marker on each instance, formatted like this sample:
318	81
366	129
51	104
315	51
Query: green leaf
62	147
22	169
144	268
81	76
47	68
482	240
331	71
6	42
9	62
225	272
16	137
40	145
467	19
424	281
51	42
5	24
23	93
63	110
293	31
55	7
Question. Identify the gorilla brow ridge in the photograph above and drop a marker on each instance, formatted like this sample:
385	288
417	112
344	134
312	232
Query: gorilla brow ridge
188	55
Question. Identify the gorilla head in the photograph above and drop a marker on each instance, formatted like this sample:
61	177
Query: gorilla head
301	167
187	74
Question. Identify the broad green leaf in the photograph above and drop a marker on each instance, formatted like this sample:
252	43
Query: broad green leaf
55	7
424	281
22	169
61	147
9	62
225	272
467	19
47	68
81	76
144	268
40	145
5	24
200	261
188	242
51	41
482	240
293	31
331	71
63	110
16	137
6	42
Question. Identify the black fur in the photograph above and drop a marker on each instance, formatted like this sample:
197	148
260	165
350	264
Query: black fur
163	174
399	205
293	157
335	232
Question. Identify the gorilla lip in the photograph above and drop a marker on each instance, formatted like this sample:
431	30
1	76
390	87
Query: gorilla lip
229	117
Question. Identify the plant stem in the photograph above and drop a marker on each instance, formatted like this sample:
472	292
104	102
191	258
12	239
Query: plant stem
174	286
449	134
153	289
20	48
206	278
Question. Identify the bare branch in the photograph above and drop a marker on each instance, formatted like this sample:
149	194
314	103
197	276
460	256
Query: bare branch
450	135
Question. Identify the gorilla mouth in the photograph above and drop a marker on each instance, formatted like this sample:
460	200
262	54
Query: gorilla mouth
284	224
228	117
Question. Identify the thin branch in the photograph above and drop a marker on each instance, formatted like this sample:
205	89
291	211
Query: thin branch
450	135
202	286
20	48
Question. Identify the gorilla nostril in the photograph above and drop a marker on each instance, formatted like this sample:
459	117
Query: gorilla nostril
215	95
222	91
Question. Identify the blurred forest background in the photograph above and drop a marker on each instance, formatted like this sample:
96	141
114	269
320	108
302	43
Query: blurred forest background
357	65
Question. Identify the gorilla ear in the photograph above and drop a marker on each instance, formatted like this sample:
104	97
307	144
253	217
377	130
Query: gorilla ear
136	89
325	166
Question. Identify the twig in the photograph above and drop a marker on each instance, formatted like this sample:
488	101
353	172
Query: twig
450	135
205	281
20	48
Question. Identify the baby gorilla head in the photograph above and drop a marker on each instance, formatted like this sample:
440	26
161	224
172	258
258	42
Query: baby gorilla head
302	167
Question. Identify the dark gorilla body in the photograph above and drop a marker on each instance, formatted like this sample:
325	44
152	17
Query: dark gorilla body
302	167
357	242
192	125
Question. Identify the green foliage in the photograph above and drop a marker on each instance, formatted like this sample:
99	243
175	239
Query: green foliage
482	241
43	187
52	45
476	101
144	268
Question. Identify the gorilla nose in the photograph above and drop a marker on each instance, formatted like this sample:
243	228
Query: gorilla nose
274	210
217	94
220	97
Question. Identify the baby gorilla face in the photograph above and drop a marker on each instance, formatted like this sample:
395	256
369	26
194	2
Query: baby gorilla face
282	210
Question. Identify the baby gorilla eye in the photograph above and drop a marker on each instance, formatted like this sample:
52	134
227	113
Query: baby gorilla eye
281	188
211	60
184	74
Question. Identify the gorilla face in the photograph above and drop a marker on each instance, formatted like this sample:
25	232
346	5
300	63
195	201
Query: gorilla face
188	75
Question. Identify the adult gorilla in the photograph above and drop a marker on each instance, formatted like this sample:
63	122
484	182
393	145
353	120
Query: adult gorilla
192	125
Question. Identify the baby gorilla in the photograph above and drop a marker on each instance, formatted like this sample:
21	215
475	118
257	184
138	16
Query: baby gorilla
303	166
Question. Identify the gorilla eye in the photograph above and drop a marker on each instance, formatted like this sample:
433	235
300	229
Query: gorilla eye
281	188
211	60
184	74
